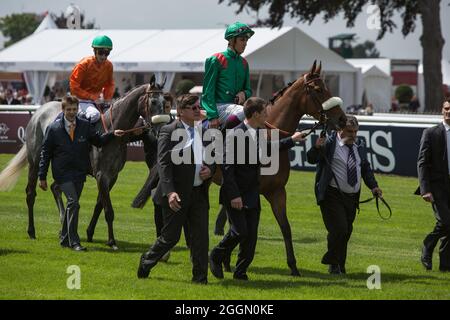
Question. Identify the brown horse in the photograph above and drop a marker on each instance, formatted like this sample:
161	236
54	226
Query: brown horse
307	95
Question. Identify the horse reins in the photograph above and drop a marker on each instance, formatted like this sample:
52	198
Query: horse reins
148	92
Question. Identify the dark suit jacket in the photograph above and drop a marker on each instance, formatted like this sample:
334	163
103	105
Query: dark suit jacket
432	166
242	180
70	159
173	177
323	157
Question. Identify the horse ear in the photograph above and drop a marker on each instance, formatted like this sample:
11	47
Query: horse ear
313	68
319	69
152	80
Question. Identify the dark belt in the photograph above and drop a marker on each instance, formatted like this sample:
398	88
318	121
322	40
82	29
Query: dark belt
355	194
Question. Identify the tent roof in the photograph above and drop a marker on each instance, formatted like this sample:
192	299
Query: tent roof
382	64
47	23
285	49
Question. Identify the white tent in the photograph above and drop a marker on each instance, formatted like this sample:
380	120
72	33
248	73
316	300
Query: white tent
287	51
47	23
377	81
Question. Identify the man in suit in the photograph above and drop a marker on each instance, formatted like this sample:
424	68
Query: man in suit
182	190
433	167
240	190
9	98
341	164
66	144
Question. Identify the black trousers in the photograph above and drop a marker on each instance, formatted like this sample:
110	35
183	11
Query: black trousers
243	231
197	216
69	233
338	213
159	223
441	208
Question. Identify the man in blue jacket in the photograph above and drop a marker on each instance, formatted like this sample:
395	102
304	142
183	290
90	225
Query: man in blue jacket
66	143
341	163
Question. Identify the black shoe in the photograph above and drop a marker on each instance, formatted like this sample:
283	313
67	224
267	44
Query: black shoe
202	281
240	276
342	269
143	269
444	269
216	268
426	259
78	247
334	269
219	232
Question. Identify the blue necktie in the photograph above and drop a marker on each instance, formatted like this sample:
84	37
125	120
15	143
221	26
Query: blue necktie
351	166
191	132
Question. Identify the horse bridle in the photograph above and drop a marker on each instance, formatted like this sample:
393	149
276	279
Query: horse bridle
313	94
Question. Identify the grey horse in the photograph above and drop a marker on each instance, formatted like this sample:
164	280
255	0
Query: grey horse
146	101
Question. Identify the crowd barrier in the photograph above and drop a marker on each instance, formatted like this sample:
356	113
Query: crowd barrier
392	140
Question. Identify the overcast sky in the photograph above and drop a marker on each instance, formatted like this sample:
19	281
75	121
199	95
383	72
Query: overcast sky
193	14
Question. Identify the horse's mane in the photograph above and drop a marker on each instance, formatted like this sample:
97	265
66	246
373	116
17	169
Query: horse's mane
130	94
280	92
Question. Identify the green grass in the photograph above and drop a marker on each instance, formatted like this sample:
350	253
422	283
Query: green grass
36	269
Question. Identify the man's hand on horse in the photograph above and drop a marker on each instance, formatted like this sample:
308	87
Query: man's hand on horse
174	201
240	97
236	203
298	136
377	192
214	123
119	133
428	197
43	184
205	172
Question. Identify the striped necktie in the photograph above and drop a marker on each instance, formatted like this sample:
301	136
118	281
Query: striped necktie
351	166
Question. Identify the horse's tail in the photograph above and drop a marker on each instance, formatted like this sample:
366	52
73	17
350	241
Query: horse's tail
144	194
10	175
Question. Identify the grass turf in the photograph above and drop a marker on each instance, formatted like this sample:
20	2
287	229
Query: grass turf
37	269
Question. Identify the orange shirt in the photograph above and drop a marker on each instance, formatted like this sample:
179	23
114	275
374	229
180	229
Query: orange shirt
89	79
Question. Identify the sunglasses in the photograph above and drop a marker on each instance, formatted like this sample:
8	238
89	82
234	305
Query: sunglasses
103	52
194	107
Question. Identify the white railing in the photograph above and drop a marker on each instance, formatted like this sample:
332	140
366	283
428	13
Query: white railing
378	118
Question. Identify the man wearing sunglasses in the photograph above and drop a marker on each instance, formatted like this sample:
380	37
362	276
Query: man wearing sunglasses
227	80
93	77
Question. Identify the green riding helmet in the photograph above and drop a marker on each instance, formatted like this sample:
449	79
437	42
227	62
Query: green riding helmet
102	42
238	29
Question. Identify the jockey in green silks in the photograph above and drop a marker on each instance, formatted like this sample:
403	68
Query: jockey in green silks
227	80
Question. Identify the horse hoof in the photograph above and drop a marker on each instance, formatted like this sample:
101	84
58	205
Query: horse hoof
295	273
112	245
89	237
32	235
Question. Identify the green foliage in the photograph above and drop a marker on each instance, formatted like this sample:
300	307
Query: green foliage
184	86
308	10
36	269
18	25
404	93
366	50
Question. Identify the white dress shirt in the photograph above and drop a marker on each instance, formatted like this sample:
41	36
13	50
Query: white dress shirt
198	151
339	167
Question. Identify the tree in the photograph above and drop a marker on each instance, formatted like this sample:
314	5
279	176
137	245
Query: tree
365	50
429	11
18	26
